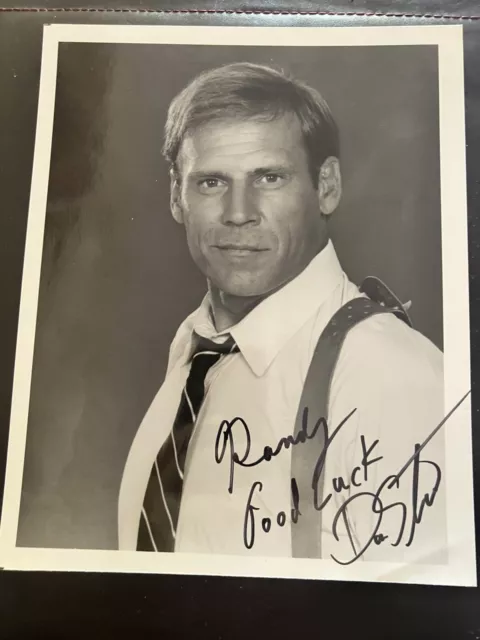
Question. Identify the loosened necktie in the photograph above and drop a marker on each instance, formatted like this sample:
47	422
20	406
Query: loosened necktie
161	505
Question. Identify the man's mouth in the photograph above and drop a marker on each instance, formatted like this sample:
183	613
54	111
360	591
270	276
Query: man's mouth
239	248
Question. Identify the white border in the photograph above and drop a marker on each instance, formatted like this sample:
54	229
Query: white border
461	568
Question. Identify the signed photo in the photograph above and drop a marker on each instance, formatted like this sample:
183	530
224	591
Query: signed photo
243	343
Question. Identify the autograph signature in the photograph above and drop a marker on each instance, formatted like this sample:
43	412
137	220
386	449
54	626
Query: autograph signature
225	445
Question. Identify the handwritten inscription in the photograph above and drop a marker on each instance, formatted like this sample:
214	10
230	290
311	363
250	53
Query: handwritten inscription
266	523
379	502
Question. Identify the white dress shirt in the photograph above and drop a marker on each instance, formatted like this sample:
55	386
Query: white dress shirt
391	374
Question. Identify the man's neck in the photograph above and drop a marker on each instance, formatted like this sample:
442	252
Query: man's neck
228	310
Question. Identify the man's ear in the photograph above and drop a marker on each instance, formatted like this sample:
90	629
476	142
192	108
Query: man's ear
175	196
329	185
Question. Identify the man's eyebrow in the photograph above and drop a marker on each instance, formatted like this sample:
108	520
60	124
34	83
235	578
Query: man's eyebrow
259	171
277	168
195	175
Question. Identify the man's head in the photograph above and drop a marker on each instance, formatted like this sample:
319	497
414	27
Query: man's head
254	171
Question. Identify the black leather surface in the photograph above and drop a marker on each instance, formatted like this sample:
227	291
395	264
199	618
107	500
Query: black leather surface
418	7
65	605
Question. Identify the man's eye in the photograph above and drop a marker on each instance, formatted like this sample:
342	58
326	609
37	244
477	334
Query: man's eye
273	179
209	184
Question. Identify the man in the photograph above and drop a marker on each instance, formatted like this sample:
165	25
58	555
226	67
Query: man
217	462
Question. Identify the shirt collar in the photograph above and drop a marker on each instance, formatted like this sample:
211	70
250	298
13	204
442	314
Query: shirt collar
268	327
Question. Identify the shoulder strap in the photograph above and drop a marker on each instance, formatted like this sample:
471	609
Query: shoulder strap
306	532
378	291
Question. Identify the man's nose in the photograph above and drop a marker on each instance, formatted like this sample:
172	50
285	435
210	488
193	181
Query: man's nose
240	207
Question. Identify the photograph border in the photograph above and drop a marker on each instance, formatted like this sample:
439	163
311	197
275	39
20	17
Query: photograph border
461	568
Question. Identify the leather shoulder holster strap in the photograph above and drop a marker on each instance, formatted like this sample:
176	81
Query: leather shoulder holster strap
306	532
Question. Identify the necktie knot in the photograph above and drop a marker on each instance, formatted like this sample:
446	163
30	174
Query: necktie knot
206	354
206	346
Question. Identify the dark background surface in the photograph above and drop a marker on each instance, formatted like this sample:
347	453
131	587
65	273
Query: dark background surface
117	279
75	605
411	7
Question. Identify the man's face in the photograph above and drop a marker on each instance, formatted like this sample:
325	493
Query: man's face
248	203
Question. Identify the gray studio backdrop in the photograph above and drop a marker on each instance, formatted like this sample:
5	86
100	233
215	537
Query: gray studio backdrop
116	275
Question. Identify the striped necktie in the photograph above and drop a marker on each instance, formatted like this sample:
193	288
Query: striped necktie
161	505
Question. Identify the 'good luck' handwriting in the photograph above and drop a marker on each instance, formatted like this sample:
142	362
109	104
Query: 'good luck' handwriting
410	515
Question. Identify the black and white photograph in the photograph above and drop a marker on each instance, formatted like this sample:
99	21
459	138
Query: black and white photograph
243	344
